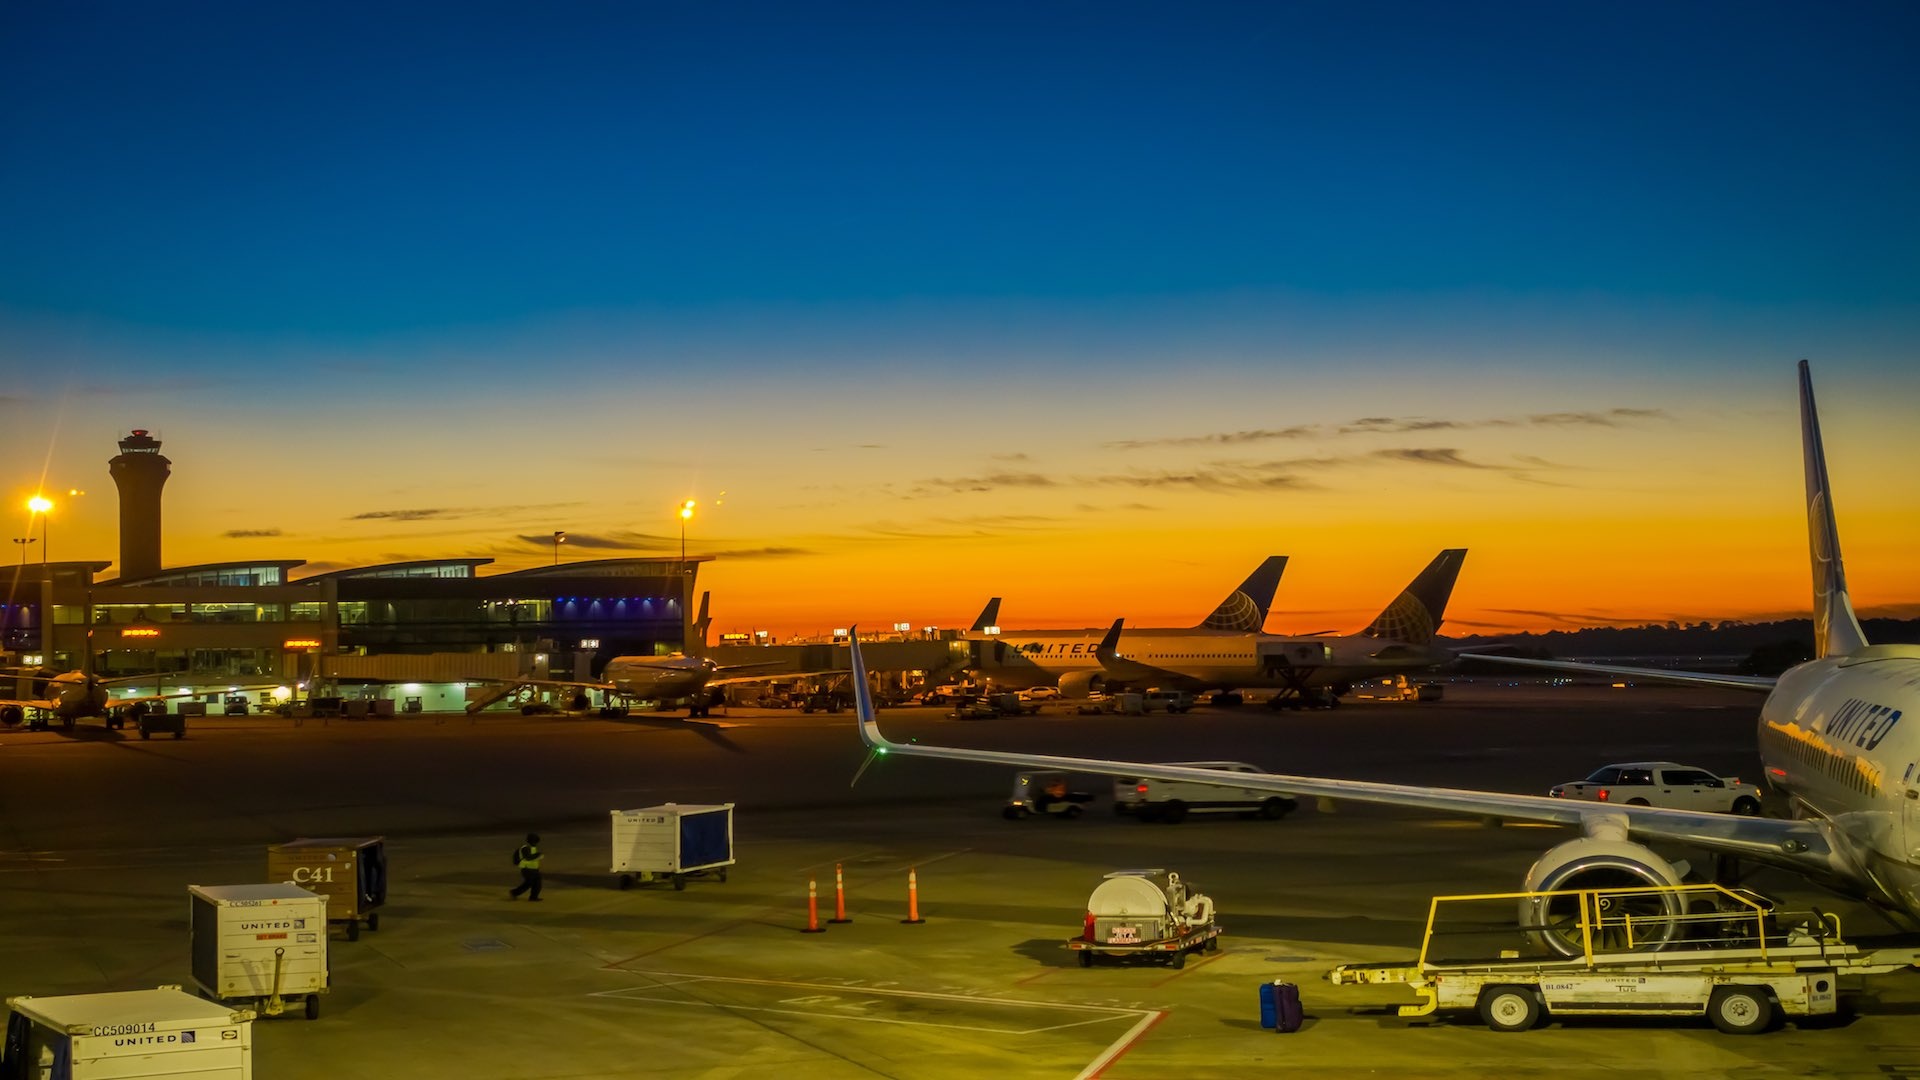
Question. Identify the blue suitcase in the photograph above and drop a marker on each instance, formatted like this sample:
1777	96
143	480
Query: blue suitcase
1280	1007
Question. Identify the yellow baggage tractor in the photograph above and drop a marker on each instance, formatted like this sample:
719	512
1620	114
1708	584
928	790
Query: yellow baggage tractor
350	871
1683	950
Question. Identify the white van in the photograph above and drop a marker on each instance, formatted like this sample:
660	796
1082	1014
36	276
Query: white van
1173	701
1172	800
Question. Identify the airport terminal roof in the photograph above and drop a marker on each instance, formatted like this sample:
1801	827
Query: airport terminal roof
261	571
413	568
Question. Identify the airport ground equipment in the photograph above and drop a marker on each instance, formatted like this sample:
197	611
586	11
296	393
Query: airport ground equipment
673	842
127	1034
264	943
1172	800
157	717
350	871
1146	913
1047	794
1726	954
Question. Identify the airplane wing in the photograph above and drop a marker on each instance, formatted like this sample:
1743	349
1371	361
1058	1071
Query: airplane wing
1696	678
772	676
1801	845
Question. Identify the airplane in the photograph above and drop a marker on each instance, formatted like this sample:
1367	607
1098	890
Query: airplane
1830	737
71	696
693	677
1307	668
1018	659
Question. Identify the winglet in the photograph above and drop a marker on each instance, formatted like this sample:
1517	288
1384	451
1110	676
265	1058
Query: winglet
989	616
1246	607
863	700
1415	615
1109	646
1836	631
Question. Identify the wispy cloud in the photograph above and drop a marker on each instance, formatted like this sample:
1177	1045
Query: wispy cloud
245	534
988	482
402	515
1400	425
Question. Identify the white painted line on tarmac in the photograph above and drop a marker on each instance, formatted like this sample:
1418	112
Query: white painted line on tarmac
1119	1046
923	994
814	1014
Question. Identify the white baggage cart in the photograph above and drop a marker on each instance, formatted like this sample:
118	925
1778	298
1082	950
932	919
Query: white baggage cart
672	843
264	943
133	1033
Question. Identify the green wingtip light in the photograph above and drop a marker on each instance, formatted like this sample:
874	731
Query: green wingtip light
883	751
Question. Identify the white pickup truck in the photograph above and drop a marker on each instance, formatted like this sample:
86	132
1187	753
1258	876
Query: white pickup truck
1172	800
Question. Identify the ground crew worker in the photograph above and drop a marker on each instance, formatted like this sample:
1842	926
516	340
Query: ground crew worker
527	858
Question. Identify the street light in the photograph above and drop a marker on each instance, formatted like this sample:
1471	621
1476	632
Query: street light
686	511
39	505
558	539
23	541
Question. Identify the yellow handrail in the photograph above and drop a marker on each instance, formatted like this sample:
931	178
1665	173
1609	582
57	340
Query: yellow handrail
1727	906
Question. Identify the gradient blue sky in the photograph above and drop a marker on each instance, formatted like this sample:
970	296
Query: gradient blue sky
533	267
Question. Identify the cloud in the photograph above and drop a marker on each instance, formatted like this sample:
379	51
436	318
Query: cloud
1434	456
401	515
614	541
1400	425
989	482
770	552
962	528
244	534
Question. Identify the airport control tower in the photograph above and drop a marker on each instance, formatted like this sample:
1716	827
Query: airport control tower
140	472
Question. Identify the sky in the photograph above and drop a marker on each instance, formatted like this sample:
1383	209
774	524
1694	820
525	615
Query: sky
1089	306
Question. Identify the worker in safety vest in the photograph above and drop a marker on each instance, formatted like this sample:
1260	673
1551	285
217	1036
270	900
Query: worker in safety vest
527	858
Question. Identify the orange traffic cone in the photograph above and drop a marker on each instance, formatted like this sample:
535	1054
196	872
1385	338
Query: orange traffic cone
839	896
913	898
813	911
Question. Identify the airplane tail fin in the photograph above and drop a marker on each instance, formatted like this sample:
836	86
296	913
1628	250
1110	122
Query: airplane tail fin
989	616
1246	607
698	641
1415	615
1836	630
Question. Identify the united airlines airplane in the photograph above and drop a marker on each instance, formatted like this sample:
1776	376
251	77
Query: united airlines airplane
1831	737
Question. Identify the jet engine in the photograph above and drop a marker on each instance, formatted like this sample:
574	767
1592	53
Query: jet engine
1078	684
1621	919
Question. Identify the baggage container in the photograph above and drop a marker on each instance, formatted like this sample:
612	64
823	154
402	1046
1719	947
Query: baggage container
350	871
1280	1007
132	1033
672	843
264	943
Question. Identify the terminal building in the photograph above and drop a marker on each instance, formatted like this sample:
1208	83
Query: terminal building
413	633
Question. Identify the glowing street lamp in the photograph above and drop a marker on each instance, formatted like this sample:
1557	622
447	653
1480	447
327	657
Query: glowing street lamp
558	539
39	505
686	511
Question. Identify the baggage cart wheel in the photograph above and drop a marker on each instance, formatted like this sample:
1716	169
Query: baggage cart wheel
1014	813
722	873
1174	812
679	882
353	933
1509	1008
1086	957
313	1006
179	733
626	881
1073	811
145	734
1213	944
1178	960
1275	808
1740	1010
373	921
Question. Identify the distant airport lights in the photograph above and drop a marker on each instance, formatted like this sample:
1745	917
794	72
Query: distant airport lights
140	632
39	504
558	539
686	512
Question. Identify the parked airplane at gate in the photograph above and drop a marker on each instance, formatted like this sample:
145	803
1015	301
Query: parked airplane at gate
1018	659
1301	668
682	676
1830	737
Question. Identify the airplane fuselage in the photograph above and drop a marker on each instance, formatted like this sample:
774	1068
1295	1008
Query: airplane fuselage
1202	659
657	677
1834	738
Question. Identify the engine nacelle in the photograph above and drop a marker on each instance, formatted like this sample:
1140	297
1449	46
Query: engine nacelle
1620	918
1078	684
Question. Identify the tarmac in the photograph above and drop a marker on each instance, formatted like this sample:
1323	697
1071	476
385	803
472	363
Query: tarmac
100	833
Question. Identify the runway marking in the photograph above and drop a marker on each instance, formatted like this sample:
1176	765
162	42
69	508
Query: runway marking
1184	968
1120	1046
844	1005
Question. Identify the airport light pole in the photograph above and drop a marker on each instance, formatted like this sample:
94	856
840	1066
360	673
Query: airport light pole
40	505
23	541
558	539
686	511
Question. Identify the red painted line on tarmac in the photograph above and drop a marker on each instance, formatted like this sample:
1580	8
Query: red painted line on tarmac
1119	1050
1036	977
1187	968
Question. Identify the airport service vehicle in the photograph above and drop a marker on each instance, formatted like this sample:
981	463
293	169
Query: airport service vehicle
350	871
1727	955
1663	783
1040	693
127	1034
1398	688
672	842
264	943
1046	794
235	705
1146	913
1171	801
1173	701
